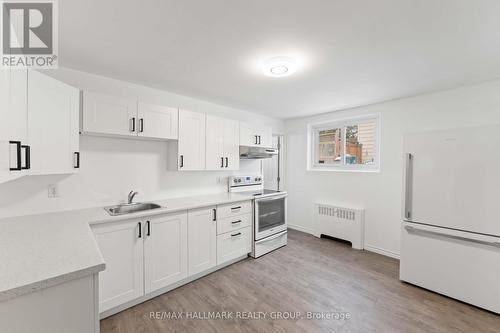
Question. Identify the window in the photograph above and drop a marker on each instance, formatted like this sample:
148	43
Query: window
346	144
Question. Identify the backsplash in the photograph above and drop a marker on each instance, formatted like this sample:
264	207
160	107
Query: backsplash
110	168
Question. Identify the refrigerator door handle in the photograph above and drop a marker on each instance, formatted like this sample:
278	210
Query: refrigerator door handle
465	239
408	186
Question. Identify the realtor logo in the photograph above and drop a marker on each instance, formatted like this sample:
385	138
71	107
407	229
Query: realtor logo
29	34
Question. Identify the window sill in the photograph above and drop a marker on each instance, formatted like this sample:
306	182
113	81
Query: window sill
347	170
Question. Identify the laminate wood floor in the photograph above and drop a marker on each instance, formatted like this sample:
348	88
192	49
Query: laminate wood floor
319	276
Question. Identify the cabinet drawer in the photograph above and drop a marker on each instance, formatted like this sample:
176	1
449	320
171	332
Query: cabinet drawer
234	209
233	223
234	244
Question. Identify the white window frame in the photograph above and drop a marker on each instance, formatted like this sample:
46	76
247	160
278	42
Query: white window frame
342	123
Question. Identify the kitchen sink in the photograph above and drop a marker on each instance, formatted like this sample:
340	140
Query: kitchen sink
130	208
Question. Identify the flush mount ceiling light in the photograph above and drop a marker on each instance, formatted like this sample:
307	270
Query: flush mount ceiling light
279	67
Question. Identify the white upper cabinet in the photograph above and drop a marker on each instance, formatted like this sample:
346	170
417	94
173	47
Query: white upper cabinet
255	136
191	145
39	127
157	121
202	239
165	251
53	114
222	144
13	124
105	114
119	116
266	137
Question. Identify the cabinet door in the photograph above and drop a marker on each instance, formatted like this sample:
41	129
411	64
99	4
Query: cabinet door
232	144
266	137
215	143
202	240
165	251
191	149
157	121
121	245
13	122
248	135
52	124
104	114
234	244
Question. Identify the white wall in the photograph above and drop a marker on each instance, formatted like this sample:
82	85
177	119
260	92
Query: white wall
111	167
380	193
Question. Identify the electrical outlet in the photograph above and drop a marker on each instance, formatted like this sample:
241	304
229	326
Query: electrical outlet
53	191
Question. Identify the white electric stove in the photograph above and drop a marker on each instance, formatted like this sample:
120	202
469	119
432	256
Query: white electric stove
269	211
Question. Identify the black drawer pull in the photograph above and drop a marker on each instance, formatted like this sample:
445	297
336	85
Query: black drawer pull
133	124
222	162
215	214
237	234
77	155
235	222
18	157
140	230
182	162
234	208
27	157
148	224
227	162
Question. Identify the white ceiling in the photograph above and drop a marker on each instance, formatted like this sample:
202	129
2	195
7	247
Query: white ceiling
353	52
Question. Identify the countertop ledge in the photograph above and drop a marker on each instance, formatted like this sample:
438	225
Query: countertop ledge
43	250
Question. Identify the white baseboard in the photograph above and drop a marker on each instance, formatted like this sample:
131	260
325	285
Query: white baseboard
367	247
381	251
303	229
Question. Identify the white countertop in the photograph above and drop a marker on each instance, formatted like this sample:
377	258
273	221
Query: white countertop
39	251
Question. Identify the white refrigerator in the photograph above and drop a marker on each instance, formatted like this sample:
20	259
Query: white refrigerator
450	233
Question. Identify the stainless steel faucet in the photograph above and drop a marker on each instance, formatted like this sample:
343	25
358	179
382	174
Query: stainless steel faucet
131	196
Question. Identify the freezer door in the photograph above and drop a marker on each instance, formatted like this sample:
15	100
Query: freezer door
460	265
452	179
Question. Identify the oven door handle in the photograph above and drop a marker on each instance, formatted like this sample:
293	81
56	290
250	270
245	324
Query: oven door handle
271	237
271	198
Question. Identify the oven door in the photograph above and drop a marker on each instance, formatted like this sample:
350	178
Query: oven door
270	216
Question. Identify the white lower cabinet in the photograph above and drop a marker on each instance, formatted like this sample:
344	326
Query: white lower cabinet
121	245
232	245
165	251
146	255
202	239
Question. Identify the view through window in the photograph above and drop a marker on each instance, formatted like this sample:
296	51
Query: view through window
345	144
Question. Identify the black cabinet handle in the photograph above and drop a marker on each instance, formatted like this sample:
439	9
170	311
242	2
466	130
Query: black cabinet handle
256	139
259	139
222	162
18	157
77	155
237	234
237	207
140	230
141	125
148	224
227	162
27	157
215	214
182	162
236	222
133	124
